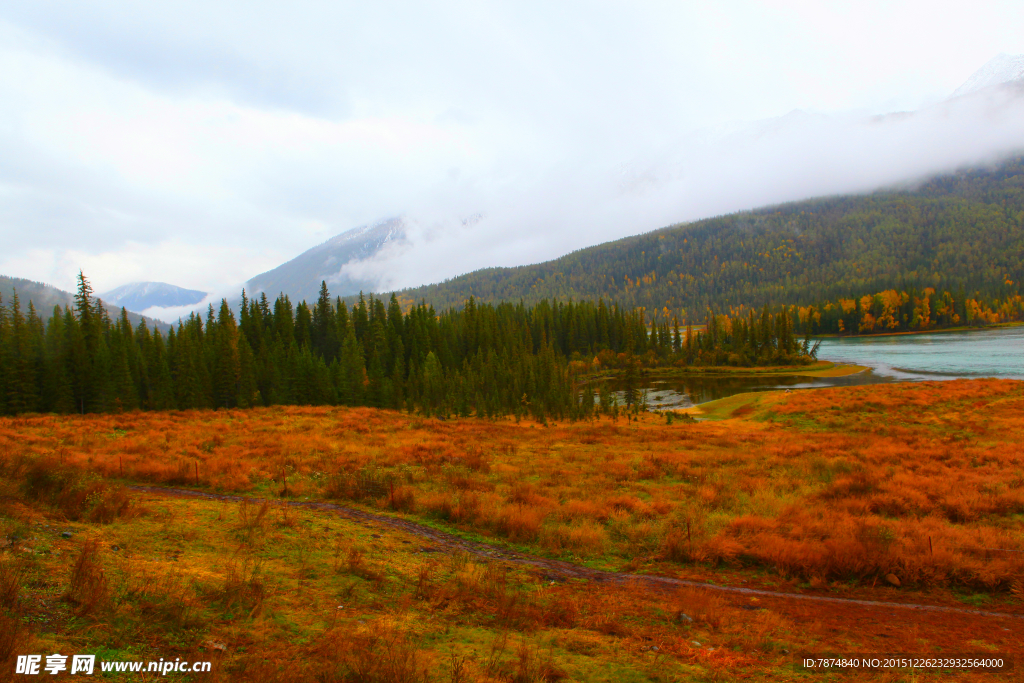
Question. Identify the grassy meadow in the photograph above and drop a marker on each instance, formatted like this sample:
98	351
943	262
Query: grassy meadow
902	493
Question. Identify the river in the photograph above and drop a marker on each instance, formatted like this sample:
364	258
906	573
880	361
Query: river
995	352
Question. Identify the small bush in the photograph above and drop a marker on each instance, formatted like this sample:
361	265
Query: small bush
12	642
89	588
252	520
78	495
365	483
703	606
10	584
243	583
519	523
169	601
585	537
379	654
402	498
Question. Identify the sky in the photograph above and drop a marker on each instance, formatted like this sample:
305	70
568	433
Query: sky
201	143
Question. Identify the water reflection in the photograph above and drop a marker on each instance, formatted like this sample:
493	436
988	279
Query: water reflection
945	355
670	393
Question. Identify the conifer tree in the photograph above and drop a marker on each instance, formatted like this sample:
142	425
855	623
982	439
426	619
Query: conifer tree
227	364
352	371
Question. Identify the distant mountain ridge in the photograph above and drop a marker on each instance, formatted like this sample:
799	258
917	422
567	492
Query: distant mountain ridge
45	297
138	296
300	277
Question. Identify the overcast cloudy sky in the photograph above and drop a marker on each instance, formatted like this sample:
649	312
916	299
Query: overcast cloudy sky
201	143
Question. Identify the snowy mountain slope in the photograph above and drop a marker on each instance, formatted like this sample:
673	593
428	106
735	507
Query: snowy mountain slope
1001	69
300	278
138	296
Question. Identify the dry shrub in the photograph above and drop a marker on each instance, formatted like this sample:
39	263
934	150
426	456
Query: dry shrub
575	509
650	468
519	523
702	605
768	625
243	586
626	503
677	547
10	583
722	548
356	565
467	508
439	504
288	517
474	459
402	498
524	493
851	485
560	612
708	494
583	537
107	503
78	495
365	483
530	666
258	667
11	465
45	476
425	586
619	471
12	643
379	653
252	520
169	601
89	588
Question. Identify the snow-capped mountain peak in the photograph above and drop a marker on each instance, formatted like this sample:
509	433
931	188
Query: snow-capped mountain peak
300	278
1001	69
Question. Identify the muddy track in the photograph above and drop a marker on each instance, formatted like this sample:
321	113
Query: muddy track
554	569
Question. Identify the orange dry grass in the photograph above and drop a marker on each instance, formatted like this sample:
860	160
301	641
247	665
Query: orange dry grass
924	481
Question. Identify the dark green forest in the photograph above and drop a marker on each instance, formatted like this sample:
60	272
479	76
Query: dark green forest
481	360
962	232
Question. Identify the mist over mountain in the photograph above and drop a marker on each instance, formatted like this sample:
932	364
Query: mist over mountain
713	172
300	277
138	296
961	232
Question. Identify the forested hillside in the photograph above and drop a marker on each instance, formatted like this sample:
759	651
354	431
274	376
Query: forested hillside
961	232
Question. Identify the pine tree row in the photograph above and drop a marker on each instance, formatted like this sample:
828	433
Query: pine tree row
478	360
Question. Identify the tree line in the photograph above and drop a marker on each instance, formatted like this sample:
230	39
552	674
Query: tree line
480	359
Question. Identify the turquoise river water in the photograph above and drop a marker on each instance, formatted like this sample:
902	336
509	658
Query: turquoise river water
995	352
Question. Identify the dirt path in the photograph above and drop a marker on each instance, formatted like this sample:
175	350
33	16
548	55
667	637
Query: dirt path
558	569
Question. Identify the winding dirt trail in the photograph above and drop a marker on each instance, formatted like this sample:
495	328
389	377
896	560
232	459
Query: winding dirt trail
558	569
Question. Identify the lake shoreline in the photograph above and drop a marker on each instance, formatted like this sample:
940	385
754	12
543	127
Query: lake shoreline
905	333
821	368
